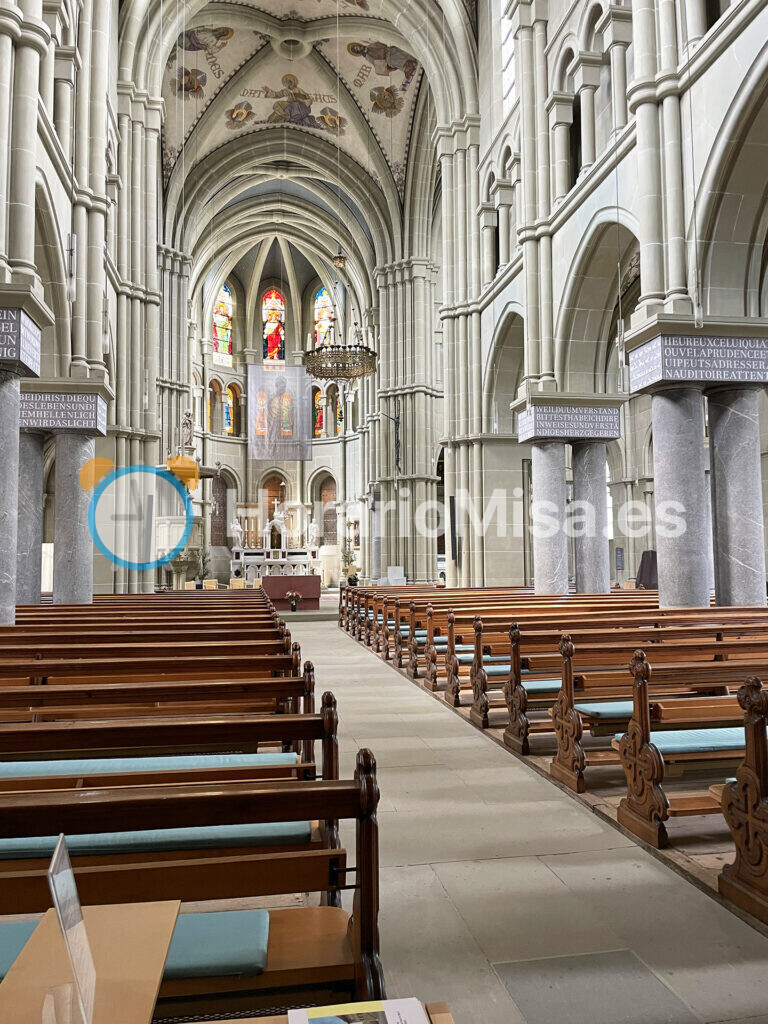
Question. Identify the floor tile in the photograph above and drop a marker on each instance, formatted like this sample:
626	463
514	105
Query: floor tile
598	988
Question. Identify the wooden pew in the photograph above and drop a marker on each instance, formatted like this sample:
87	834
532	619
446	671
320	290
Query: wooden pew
185	665
744	803
602	700
701	734
318	950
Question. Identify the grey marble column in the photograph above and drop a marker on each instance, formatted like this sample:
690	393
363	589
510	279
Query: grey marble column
550	541
29	560
593	560
680	495
9	493
737	500
73	546
375	524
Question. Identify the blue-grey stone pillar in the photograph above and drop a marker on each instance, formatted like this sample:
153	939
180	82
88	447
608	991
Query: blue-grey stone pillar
29	560
590	488
73	545
548	514
681	498
737	496
10	399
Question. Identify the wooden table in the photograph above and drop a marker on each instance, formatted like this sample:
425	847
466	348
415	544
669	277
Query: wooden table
438	1013
129	944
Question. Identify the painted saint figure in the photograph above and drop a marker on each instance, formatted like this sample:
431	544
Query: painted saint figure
204	39
294	105
385	59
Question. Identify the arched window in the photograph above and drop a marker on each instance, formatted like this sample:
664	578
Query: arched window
222	327
318	412
232	411
197	400
325	330
215	408
273	318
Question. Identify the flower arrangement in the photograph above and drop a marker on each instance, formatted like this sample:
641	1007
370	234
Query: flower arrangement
294	597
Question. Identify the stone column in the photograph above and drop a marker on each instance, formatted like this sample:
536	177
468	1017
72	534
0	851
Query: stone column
616	29
737	500
9	493
550	541
29	559
679	469
643	102
73	546
504	198
593	563
488	228
586	74
696	20
560	109
375	526
31	46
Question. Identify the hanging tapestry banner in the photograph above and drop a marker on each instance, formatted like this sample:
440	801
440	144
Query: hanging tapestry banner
279	413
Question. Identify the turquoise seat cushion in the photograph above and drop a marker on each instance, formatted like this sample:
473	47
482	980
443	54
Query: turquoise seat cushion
543	685
221	944
606	709
488	659
697	741
116	765
13	938
287	833
497	671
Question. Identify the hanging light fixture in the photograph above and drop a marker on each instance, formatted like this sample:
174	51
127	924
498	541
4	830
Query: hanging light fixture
341	362
340	260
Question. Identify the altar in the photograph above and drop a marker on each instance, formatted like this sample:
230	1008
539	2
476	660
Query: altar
276	587
275	556
260	563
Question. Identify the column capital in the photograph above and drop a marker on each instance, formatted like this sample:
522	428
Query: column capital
585	69
570	418
615	26
503	192
523	13
670	351
559	106
487	216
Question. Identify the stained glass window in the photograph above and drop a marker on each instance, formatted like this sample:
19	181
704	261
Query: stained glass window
339	416
319	414
231	411
325	332
222	327
273	318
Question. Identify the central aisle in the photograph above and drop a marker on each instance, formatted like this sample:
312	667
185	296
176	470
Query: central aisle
495	882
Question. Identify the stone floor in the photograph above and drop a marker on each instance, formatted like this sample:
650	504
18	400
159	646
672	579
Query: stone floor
509	899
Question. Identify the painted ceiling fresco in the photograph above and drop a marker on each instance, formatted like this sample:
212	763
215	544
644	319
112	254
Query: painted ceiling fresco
223	78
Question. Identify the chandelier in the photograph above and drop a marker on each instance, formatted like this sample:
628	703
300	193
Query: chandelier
341	362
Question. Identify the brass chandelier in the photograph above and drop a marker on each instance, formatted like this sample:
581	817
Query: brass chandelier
341	362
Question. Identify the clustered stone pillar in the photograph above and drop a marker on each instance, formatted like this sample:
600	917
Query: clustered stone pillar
73	546
592	556
680	489
550	542
9	493
737	500
29	561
